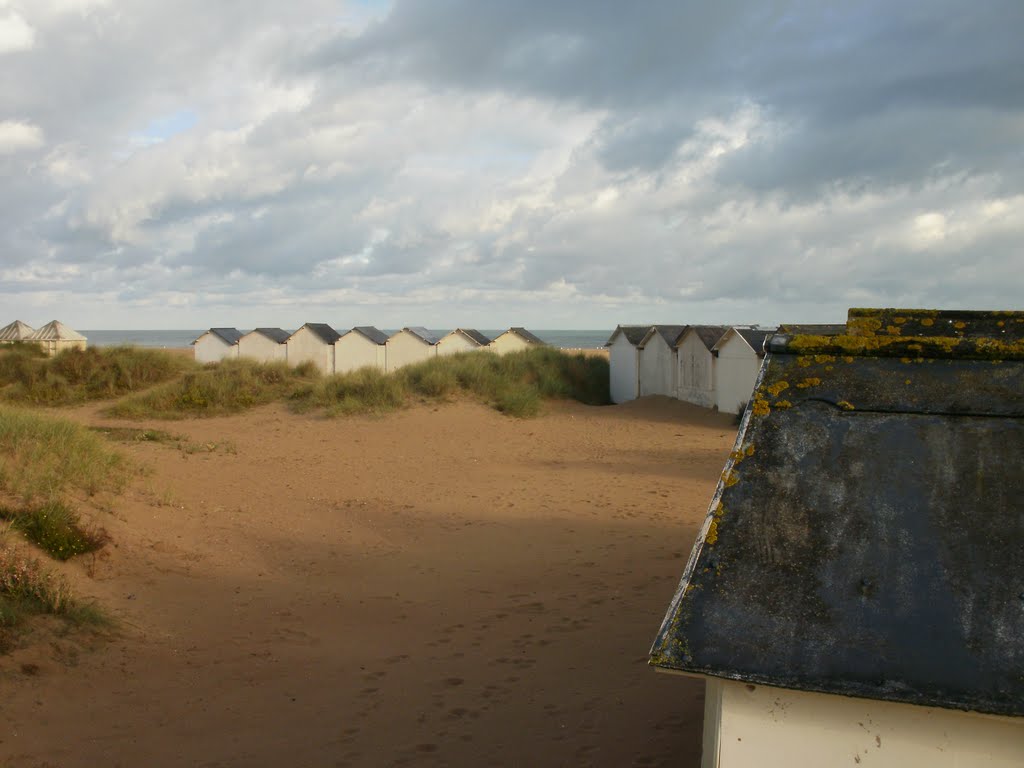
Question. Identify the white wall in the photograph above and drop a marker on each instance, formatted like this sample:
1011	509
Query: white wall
623	369
211	348
454	343
304	345
353	351
508	342
256	346
736	371
405	348
759	725
695	377
657	368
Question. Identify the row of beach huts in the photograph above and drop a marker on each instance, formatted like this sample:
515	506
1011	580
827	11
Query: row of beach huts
361	347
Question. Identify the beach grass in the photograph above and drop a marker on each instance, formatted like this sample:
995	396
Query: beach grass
55	527
28	377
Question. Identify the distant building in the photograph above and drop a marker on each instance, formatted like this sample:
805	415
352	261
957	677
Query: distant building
658	360
515	340
461	340
266	345
696	376
55	337
410	345
855	595
313	343
738	360
16	331
624	362
216	344
362	347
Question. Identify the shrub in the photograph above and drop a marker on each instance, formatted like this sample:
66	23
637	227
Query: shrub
25	585
56	529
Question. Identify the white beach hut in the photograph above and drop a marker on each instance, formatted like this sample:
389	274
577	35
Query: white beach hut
362	347
216	344
56	337
515	340
624	361
15	332
313	343
657	353
410	345
462	340
267	345
695	378
738	354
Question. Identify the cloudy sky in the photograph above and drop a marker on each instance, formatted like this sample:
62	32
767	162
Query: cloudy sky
571	164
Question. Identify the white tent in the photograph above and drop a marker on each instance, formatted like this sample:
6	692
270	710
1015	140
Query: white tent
16	331
56	337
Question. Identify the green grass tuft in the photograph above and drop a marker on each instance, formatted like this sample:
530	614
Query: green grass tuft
54	527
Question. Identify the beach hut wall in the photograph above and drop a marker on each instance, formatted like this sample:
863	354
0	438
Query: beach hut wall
410	345
515	339
313	343
657	354
462	340
738	357
624	361
695	379
266	345
55	337
855	592
362	347
216	344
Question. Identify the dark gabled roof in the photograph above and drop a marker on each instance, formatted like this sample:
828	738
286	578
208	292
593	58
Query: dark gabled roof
755	338
423	334
375	335
670	333
815	330
274	334
322	331
634	333
475	335
526	336
708	334
227	335
866	536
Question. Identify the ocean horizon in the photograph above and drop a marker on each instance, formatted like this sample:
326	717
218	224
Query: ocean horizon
183	338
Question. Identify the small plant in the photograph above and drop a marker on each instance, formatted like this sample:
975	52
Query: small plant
56	529
27	587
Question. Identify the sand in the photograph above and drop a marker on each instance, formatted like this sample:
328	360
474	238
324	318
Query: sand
440	586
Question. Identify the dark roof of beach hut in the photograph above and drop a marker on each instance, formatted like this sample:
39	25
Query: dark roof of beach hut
866	535
375	335
670	333
708	334
634	333
227	335
423	334
475	335
322	331
526	335
274	334
754	337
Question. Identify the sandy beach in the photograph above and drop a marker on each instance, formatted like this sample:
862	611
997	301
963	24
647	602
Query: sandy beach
440	586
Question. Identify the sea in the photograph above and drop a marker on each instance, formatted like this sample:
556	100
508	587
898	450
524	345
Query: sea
173	339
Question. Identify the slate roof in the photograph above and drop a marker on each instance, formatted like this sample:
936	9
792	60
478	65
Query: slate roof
16	331
670	333
228	335
423	334
475	335
866	536
634	333
55	330
274	334
528	337
375	335
708	334
754	337
322	331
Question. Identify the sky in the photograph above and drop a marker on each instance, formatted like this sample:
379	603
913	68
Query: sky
572	164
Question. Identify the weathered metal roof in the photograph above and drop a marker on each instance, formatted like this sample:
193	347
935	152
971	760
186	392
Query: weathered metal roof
866	537
274	334
16	331
55	330
423	334
322	331
526	336
375	335
227	335
708	334
475	335
670	333
634	333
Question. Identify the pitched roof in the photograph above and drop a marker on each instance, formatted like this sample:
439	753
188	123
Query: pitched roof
753	336
865	538
16	331
526	336
634	333
227	335
274	334
474	334
669	333
55	330
708	334
375	335
322	331
422	333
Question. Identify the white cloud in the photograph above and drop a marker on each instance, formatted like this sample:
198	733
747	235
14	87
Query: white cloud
17	136
15	33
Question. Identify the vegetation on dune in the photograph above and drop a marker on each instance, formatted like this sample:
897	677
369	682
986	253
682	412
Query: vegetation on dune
28	377
218	389
54	527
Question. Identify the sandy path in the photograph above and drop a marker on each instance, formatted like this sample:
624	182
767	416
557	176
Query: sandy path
443	586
